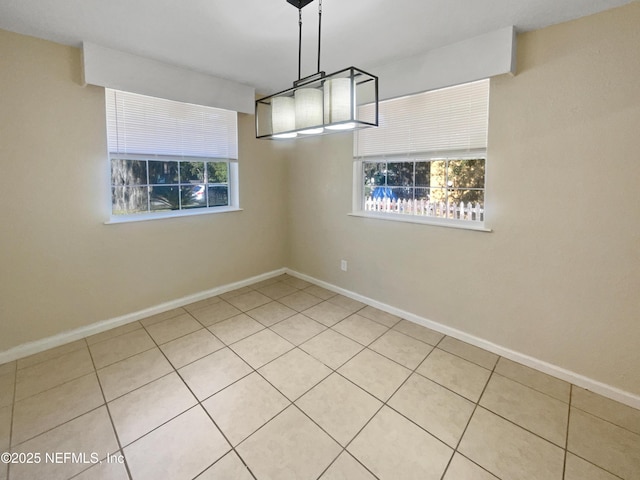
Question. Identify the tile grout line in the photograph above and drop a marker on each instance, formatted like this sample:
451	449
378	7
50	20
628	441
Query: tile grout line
52	358
364	347
367	346
292	403
537	390
13	409
464	431
61	424
344	449
634	433
566	437
385	403
199	404
113	426
597	466
54	386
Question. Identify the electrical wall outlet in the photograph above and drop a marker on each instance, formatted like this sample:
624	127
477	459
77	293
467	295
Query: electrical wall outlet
343	265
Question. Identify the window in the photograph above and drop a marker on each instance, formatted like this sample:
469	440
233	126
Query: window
169	157
426	161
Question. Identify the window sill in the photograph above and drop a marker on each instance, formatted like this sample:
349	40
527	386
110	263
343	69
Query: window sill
143	217
459	224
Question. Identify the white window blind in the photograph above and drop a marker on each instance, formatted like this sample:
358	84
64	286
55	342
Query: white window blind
450	120
137	124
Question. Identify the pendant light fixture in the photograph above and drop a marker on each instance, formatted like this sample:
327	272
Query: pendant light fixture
320	103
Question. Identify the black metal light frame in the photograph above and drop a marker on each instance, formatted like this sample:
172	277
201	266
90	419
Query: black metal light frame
363	91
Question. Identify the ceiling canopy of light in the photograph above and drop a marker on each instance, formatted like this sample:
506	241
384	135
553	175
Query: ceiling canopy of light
320	103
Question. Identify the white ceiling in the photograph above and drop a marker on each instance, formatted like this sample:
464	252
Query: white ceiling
256	41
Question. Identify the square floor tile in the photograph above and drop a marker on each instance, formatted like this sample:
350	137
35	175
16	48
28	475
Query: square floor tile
182	448
5	428
295	282
161	316
461	376
392	448
300	301
289	447
604	444
419	332
214	372
298	329
339	407
331	348
235	293
106	471
118	348
401	348
167	330
462	468
88	434
320	292
114	332
7	387
202	303
436	409
261	348
249	300
532	378
376	374
360	329
524	406
469	352
347	468
578	469
245	406
509	451
7	368
190	348
50	354
264	283
228	467
347	303
294	373
148	407
53	407
236	328
215	313
46	375
379	316
277	290
134	372
327	313
271	313
607	409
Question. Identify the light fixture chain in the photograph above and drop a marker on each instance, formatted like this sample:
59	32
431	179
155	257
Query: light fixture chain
319	30
299	43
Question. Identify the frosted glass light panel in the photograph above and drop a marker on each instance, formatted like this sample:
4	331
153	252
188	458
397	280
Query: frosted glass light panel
324	104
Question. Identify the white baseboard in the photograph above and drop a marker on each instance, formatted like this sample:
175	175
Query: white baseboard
76	334
595	386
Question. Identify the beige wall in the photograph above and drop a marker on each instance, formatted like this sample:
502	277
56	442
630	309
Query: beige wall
558	278
60	266
558	281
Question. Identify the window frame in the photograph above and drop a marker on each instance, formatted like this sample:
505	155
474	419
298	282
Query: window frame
232	184
358	199
393	144
232	192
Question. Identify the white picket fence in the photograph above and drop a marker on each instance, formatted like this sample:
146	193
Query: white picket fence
461	211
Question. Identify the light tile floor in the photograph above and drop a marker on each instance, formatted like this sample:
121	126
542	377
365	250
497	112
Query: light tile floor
286	380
